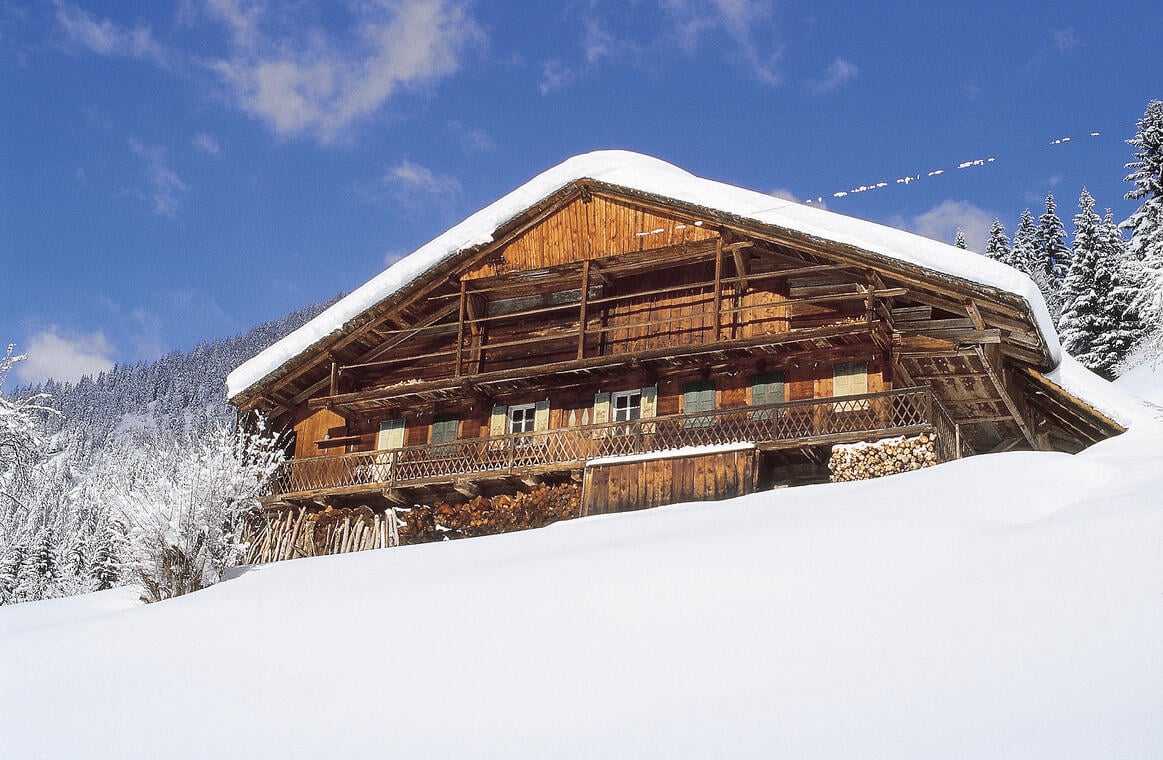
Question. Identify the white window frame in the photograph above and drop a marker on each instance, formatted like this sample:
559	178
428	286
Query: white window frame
633	408
528	416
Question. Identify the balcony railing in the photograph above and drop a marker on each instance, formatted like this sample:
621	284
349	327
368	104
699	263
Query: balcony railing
899	412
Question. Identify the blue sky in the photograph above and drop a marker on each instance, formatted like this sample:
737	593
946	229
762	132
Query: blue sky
172	173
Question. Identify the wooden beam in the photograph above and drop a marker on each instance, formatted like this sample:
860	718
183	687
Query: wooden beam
974	313
740	269
460	326
718	314
598	362
467	488
397	497
584	316
1006	398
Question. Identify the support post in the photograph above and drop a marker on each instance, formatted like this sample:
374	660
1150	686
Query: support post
718	287
584	316
460	328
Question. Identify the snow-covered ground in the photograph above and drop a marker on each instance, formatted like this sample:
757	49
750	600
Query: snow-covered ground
1003	606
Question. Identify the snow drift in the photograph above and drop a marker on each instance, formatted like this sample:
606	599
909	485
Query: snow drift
1002	606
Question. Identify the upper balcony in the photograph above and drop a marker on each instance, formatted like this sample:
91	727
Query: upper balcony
793	424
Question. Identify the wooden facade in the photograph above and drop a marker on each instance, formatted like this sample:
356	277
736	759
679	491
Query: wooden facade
663	478
604	321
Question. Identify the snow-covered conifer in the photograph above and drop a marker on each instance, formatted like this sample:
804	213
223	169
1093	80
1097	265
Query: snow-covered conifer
1051	257
998	245
1085	289
959	239
1146	224
1022	252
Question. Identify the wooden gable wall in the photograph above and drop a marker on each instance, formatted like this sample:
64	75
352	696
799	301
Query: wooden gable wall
588	227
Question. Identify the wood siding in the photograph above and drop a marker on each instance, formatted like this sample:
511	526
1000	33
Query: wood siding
316	428
584	230
626	486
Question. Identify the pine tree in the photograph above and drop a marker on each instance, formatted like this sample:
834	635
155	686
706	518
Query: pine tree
1051	257
959	239
1146	223
998	245
1085	289
1022	252
1126	331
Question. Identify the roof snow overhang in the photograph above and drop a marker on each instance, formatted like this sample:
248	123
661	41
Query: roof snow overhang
649	181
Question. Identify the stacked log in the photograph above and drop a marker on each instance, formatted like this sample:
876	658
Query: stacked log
484	515
292	533
889	456
309	532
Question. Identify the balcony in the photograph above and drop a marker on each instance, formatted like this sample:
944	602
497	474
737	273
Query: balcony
790	424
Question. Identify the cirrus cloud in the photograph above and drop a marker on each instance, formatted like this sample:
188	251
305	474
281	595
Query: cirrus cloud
302	83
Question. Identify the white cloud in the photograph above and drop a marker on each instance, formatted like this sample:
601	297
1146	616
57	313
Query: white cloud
1065	40
472	139
555	75
941	223
206	143
165	184
741	28
690	20
838	73
106	38
64	357
303	83
787	195
414	185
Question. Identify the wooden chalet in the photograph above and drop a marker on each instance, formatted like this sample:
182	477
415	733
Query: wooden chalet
655	337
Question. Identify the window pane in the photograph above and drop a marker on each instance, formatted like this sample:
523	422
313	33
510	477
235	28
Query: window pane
627	406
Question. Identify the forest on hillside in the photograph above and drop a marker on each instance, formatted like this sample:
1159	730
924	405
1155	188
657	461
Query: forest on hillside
141	474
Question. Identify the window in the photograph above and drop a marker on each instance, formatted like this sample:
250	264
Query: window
390	434
767	388
444	428
522	418
627	405
850	379
697	397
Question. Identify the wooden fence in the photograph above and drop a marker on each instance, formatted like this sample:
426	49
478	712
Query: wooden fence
810	422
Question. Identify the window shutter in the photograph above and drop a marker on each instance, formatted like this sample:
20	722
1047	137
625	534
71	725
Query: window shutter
601	408
767	388
498	420
698	396
850	379
541	415
650	401
444	428
390	435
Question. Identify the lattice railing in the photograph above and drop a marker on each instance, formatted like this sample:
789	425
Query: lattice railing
868	415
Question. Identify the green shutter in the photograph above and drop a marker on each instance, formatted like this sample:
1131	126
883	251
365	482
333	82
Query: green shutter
444	428
767	388
698	396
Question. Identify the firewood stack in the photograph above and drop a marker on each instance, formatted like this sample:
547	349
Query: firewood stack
303	533
292	533
861	461
483	515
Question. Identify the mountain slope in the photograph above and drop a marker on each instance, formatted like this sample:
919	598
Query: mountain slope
1003	606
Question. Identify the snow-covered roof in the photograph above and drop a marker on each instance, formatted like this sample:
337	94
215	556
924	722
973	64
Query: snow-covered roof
646	174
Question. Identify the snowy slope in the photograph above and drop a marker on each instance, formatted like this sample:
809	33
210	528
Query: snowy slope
1003	606
649	175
